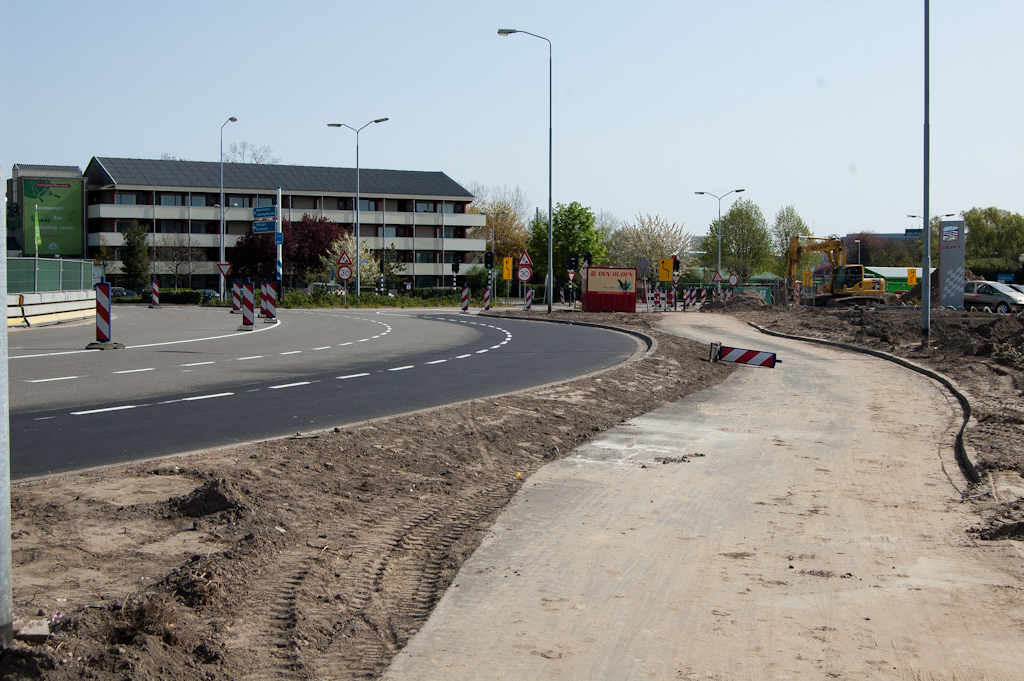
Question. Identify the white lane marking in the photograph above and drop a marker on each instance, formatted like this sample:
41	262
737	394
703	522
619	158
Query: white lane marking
277	323
53	354
44	418
47	380
344	344
374	336
100	411
480	352
437	361
197	397
495	347
342	378
195	364
326	347
408	366
132	371
362	340
293	352
463	356
289	385
242	359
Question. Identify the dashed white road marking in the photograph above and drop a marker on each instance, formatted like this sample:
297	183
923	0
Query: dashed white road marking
196	364
293	352
342	378
100	411
132	371
408	366
242	359
437	361
47	380
463	356
289	385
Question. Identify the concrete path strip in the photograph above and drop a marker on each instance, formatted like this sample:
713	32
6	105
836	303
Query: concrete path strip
790	523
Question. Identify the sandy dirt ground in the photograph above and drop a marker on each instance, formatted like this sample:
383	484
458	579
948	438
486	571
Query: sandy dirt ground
319	556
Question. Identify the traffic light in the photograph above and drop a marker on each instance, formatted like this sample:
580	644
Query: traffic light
456	261
489	260
675	263
574	262
588	258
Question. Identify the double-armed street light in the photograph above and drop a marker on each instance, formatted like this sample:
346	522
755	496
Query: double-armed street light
734	191
356	130
223	279
551	280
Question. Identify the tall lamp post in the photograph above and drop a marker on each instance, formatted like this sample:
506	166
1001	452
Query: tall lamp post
857	241
223	279
551	278
356	130
734	191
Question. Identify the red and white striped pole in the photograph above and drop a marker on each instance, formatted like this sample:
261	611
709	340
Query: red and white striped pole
703	297
271	305
465	298
103	312
236	297
529	298
263	299
487	298
154	300
248	313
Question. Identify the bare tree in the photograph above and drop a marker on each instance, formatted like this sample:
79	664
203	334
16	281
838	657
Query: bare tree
508	212
649	237
181	258
247	152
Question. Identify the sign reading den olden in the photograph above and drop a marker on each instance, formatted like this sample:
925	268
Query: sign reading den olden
611	280
59	206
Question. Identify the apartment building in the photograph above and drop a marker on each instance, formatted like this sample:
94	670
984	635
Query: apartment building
423	215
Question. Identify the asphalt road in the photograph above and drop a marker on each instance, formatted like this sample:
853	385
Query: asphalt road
188	379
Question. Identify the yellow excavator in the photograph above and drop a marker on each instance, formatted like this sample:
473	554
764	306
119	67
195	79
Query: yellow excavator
847	284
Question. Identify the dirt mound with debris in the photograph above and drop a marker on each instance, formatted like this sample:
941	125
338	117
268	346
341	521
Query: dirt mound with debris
742	301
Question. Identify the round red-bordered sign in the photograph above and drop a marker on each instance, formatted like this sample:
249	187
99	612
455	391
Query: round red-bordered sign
344	272
525	274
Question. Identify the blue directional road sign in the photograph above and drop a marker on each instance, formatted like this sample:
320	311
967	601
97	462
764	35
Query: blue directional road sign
279	238
264	226
265	212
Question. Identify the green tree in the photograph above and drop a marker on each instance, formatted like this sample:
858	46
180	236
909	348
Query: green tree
135	258
788	224
574	231
993	233
746	242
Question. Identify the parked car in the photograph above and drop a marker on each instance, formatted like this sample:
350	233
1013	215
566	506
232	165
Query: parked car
994	295
118	292
1018	287
209	294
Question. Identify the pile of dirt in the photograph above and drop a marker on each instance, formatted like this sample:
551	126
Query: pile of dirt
311	557
742	301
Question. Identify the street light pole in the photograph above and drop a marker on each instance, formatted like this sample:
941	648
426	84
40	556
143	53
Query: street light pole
551	278
734	191
223	279
857	241
356	130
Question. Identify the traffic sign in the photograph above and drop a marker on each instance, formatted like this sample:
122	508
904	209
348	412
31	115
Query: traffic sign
571	275
344	272
643	266
717	279
524	259
265	212
665	269
224	267
525	273
733	280
675	277
911	276
344	259
264	226
807	279
279	238
506	268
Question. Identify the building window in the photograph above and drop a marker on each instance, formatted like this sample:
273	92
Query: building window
428	257
122	226
198	200
367	204
445	232
424	207
447	208
124	199
170	199
262	201
239	202
170	226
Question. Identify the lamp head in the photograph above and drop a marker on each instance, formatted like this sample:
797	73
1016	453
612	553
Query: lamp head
700	192
739	191
507	31
380	120
232	120
334	125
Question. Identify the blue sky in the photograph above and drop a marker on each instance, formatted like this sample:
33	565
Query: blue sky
814	103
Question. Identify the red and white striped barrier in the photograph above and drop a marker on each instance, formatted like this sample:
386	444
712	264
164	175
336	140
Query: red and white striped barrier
236	297
487	298
263	299
703	297
465	299
672	298
154	300
271	302
529	298
751	357
248	312
561	295
103	313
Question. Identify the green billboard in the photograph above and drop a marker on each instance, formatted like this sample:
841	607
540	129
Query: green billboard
58	205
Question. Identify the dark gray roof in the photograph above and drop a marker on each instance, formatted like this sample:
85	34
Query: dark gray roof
266	178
